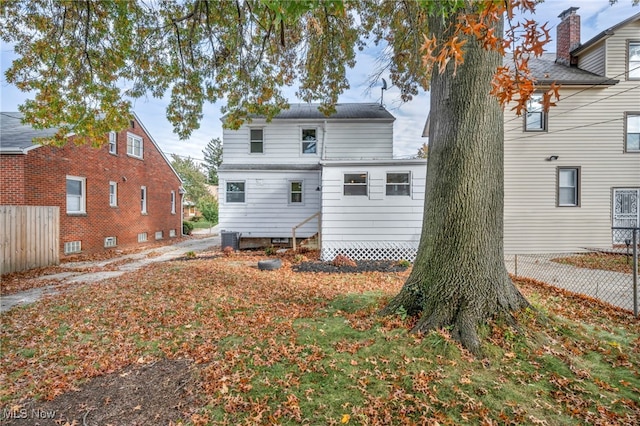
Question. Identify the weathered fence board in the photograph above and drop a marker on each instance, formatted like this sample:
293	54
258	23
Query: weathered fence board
29	237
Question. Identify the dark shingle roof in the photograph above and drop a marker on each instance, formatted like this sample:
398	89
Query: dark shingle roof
546	71
17	138
274	167
343	112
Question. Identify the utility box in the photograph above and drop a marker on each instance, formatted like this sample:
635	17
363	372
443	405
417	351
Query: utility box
230	239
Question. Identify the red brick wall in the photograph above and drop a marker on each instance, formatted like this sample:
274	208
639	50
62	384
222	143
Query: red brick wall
12	180
45	174
568	36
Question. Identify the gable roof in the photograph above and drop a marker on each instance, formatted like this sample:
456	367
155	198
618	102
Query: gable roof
546	71
16	137
344	111
604	35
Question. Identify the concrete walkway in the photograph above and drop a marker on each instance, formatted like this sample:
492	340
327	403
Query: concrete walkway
209	239
615	288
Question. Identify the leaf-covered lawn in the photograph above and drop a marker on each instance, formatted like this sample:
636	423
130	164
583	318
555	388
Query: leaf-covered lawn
605	261
279	347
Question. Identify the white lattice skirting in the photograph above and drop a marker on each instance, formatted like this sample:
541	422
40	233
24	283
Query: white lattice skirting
370	250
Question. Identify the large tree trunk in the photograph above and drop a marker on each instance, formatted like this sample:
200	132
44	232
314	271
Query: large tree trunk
459	277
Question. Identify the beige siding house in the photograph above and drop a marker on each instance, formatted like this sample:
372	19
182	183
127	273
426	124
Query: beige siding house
574	173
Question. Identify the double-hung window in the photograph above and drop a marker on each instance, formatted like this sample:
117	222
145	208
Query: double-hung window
295	192
256	143
568	187
535	118
355	184
398	184
143	199
134	145
632	132
113	194
309	141
235	192
76	195
113	143
633	60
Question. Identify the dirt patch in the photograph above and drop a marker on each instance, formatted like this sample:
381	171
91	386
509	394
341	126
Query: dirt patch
155	394
361	266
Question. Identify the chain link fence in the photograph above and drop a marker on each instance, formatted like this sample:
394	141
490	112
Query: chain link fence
609	274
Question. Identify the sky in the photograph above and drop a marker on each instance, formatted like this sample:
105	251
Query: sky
596	16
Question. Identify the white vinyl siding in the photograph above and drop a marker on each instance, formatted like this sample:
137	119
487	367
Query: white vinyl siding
375	220
335	140
586	128
266	211
76	195
594	60
134	146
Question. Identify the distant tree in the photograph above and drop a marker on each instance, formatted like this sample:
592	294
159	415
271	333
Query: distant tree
212	159
194	180
208	206
423	151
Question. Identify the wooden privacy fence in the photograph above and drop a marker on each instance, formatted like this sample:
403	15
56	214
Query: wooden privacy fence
29	237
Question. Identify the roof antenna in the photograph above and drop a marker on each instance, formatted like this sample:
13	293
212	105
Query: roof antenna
384	87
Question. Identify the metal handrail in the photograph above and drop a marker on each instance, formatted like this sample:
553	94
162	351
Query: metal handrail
293	230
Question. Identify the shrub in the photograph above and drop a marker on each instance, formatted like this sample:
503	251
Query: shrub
269	251
208	205
342	260
403	263
196	218
187	227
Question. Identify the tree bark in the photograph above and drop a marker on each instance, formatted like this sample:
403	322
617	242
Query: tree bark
459	278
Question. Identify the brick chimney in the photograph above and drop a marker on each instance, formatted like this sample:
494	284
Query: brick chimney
568	36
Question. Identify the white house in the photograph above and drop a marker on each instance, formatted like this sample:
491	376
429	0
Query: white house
333	176
573	173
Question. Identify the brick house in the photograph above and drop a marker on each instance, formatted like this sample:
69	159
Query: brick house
118	196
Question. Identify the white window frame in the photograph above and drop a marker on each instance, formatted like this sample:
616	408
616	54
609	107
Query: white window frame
633	60
389	185
82	199
252	140
173	202
534	107
243	192
635	130
143	199
303	141
135	146
113	194
354	184
575	188
113	143
71	247
291	192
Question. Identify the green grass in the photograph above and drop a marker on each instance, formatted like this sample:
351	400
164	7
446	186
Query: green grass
289	348
202	224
